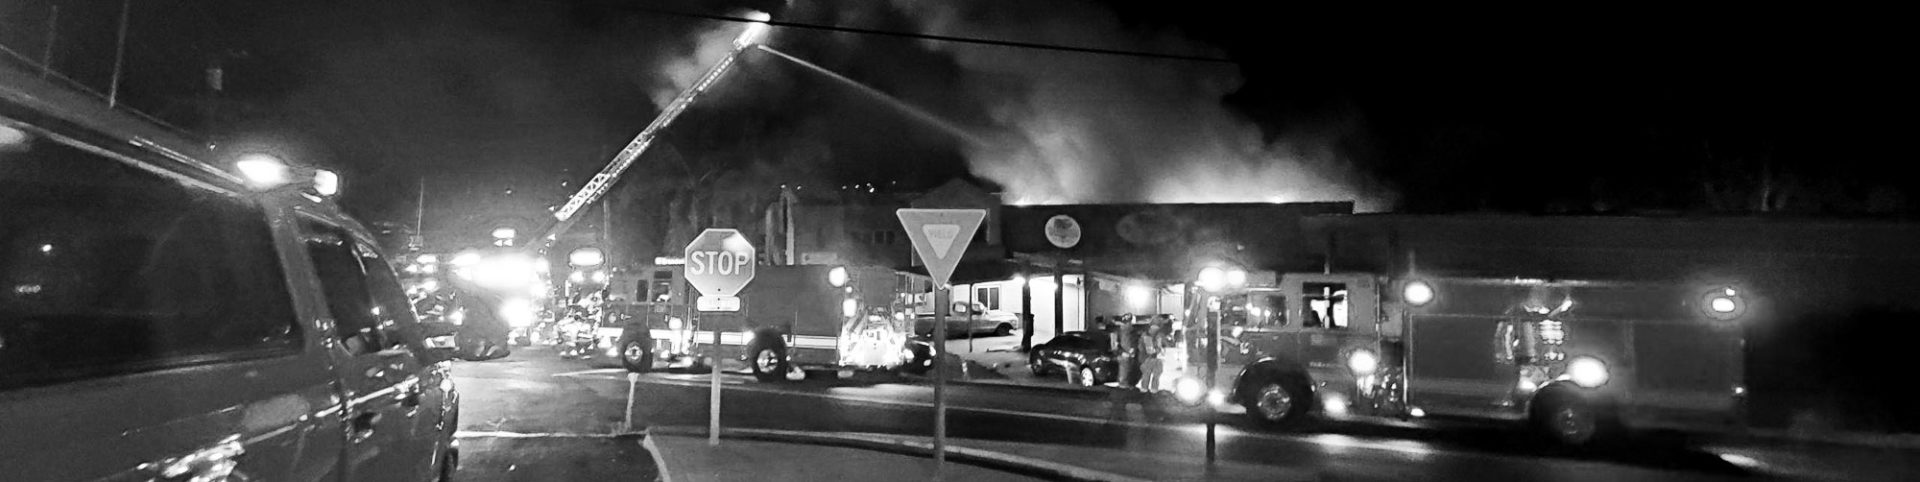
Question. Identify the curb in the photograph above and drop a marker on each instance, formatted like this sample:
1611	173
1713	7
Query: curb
1849	439
882	443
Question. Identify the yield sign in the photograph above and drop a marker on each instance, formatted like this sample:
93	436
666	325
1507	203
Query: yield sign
941	236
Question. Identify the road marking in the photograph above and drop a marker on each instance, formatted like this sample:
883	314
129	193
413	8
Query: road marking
1403	447
659	461
596	371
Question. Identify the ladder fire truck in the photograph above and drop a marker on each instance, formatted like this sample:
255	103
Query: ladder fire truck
793	319
1577	328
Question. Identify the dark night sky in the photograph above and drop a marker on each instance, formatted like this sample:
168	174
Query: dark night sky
1575	109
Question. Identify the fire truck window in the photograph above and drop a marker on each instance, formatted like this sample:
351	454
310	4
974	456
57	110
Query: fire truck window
1326	305
1270	311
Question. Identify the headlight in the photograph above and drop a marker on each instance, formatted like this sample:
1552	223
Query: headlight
849	308
674	323
1417	293
1723	303
1189	390
517	312
837	276
1587	372
1363	362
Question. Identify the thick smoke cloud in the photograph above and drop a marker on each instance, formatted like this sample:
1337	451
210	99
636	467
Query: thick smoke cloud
1089	128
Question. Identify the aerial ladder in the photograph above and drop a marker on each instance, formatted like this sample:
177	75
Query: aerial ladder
598	186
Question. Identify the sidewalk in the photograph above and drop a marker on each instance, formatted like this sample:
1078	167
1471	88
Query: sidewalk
751	454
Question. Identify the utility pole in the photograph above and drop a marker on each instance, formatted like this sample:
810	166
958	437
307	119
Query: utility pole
53	34
119	55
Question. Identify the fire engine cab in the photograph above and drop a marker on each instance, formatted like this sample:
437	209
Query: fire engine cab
792	319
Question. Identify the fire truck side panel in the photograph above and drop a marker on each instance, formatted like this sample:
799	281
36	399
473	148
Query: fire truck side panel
1667	363
1451	366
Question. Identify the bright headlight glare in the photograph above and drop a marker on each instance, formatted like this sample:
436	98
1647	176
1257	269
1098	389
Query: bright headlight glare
1237	277
1363	362
674	323
1722	305
1417	293
517	312
849	307
1211	278
837	276
1587	372
1190	391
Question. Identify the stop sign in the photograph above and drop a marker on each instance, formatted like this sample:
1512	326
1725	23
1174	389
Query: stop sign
719	262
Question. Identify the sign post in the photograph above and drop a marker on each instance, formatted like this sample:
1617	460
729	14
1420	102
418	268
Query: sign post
941	237
719	262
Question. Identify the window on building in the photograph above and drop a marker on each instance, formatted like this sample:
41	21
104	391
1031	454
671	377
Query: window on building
989	297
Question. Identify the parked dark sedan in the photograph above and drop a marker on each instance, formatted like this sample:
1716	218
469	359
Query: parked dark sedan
1083	355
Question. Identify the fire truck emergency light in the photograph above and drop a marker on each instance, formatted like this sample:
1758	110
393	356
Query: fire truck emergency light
837	276
1588	372
1417	293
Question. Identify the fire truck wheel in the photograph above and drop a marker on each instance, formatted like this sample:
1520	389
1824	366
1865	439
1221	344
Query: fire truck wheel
769	360
635	355
1276	402
1570	420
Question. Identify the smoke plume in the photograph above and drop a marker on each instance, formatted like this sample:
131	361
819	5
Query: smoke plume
1092	128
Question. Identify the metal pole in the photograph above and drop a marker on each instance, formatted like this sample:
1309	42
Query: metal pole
713	396
119	55
1026	306
941	297
53	29
633	388
1213	363
1059	295
971	294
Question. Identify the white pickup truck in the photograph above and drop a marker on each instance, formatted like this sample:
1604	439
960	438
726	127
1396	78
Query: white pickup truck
983	320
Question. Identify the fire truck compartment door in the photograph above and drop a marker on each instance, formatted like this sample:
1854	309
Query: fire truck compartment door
1451	364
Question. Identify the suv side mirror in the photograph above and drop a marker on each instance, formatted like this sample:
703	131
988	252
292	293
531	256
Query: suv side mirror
440	340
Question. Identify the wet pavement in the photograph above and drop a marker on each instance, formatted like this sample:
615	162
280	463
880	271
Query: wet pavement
531	400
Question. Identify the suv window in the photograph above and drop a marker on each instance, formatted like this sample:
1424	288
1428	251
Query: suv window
393	314
344	281
108	268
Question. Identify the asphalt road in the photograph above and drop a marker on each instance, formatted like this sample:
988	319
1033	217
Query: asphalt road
553	419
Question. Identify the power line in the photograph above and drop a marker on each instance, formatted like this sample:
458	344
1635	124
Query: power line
944	38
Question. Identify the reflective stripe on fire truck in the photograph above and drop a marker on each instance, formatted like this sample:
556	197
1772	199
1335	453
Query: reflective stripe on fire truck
736	338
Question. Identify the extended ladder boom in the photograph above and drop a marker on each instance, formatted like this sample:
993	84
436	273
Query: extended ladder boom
602	182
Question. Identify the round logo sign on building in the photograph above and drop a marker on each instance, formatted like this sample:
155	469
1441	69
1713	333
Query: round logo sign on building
1063	231
720	262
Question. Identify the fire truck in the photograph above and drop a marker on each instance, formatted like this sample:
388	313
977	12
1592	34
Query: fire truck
793	320
1654	337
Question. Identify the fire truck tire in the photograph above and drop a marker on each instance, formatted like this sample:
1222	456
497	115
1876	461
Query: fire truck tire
1276	401
636	355
768	359
1570	420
